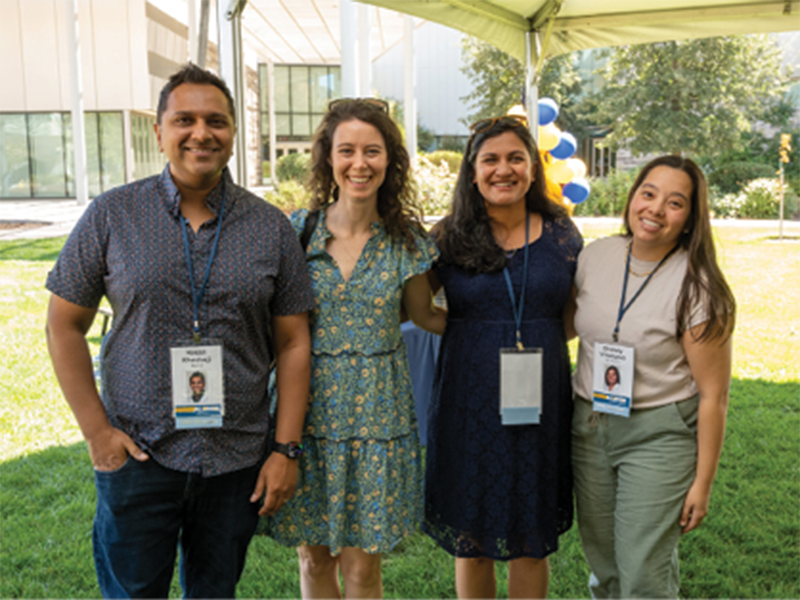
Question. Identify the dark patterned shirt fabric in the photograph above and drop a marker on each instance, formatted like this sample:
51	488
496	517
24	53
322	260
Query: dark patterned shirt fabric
128	246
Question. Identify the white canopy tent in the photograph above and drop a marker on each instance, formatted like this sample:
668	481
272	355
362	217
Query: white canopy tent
532	30
581	24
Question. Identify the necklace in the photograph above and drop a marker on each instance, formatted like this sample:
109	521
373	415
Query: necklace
636	273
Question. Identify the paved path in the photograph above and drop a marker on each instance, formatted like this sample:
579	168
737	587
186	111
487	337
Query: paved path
38	218
54	218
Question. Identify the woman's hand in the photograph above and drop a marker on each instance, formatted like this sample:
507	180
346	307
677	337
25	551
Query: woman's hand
695	507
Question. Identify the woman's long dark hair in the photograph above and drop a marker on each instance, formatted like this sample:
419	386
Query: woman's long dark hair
704	280
397	198
464	236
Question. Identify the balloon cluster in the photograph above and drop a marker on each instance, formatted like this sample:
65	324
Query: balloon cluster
566	176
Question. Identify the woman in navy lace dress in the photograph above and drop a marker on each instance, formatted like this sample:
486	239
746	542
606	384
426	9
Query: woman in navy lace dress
499	491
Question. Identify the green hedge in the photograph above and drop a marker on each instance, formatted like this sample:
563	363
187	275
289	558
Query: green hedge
294	167
731	177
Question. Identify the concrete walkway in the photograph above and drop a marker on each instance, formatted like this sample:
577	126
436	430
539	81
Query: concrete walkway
35	219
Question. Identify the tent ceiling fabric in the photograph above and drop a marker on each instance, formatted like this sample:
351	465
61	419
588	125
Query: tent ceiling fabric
308	31
583	24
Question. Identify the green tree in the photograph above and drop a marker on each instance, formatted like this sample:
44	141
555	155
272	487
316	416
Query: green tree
692	97
498	81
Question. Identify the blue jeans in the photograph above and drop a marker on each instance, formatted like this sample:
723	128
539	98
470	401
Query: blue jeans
144	510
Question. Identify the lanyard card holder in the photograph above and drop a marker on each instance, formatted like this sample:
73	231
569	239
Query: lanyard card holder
198	394
613	378
521	386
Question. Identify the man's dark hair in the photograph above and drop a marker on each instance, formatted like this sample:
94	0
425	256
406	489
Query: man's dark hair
191	73
197	374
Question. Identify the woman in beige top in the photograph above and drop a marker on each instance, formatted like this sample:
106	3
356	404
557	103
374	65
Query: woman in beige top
644	479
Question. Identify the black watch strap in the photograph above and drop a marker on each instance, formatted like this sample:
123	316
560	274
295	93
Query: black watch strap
292	449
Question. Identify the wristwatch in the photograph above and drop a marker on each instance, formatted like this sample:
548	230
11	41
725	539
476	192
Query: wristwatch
292	449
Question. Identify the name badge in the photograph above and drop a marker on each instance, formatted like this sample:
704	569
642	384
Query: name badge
198	395
612	379
521	386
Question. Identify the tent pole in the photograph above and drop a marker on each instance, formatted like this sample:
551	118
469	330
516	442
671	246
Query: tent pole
231	68
76	104
273	134
409	88
364	64
348	16
531	83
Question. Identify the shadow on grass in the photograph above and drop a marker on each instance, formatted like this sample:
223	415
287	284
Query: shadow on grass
31	250
747	547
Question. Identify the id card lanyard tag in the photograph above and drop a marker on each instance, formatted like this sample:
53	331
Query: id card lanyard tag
520	386
520	367
612	380
198	393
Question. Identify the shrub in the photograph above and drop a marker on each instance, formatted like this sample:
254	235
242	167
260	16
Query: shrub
294	167
290	195
731	177
451	157
759	199
608	195
435	185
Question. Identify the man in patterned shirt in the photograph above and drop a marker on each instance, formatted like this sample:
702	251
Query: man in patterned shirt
198	272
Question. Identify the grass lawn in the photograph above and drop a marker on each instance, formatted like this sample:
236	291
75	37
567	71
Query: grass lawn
748	547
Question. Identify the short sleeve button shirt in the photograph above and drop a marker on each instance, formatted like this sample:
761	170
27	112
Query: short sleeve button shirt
129	247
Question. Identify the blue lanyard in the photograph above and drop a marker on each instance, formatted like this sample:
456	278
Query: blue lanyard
623	308
518	310
197	297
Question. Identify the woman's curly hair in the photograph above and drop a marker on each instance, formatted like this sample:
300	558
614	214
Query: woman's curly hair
397	198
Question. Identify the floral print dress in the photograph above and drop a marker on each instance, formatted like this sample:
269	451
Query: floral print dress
360	475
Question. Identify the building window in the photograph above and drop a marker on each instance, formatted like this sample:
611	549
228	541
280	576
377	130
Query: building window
147	158
302	94
15	168
36	154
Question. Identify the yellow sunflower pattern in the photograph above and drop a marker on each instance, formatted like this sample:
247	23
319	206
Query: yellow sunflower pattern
360	476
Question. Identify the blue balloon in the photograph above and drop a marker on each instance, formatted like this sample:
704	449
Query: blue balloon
576	190
566	147
548	111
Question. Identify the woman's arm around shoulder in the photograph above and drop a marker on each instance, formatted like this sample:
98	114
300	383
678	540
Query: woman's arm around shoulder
710	363
418	303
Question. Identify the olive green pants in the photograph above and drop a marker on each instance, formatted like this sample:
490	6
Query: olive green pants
631	478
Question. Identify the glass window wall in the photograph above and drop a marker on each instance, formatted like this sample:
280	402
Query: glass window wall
147	157
301	96
36	154
15	167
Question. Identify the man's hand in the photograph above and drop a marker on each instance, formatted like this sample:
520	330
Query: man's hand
278	478
110	448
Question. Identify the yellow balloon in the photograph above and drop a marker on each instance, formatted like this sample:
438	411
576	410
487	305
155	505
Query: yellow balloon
548	137
560	172
577	166
554	191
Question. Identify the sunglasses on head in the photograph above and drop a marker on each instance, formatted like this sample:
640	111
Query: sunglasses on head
486	124
381	105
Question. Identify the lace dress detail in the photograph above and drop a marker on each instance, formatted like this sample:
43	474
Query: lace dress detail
502	492
360	479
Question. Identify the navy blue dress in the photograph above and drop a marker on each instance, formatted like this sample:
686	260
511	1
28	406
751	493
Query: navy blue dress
496	491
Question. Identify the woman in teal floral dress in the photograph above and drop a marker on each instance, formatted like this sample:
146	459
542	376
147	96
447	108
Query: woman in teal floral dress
360	484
